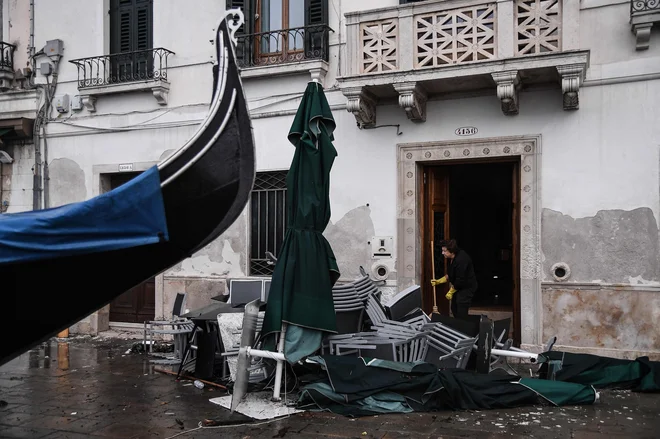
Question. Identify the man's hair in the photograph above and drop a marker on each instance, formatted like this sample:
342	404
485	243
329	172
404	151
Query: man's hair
451	246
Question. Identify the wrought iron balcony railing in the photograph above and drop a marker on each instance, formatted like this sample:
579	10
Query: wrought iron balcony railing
7	56
120	68
637	6
283	46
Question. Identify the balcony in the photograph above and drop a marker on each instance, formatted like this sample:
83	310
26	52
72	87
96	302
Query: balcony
425	49
142	70
285	51
643	14
6	65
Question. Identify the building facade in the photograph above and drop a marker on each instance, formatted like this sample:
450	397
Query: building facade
525	129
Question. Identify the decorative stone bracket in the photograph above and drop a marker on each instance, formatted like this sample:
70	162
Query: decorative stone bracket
571	79
412	98
362	104
641	23
89	102
508	84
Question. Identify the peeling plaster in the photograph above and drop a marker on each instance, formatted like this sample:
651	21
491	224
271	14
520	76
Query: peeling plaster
67	182
615	246
348	239
229	266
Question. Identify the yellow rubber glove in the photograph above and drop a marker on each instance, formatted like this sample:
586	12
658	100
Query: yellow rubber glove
450	294
436	282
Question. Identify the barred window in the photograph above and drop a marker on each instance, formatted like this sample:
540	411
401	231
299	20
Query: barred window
267	219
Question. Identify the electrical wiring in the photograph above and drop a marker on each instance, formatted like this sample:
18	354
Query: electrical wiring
128	113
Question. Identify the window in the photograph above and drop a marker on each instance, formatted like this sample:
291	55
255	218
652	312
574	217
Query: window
275	15
267	220
131	40
278	31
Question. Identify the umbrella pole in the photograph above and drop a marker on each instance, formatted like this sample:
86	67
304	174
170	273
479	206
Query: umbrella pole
435	305
280	365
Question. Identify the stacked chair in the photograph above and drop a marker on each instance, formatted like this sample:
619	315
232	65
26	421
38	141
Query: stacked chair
177	327
399	331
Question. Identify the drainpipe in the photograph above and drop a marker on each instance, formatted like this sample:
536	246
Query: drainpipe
50	94
36	170
31	46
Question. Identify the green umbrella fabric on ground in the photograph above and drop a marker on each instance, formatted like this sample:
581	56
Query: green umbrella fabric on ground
356	386
306	269
639	375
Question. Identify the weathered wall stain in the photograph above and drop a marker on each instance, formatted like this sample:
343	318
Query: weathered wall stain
67	182
226	256
348	238
617	318
166	154
614	246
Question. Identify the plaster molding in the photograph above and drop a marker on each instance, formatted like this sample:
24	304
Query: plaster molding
411	158
508	85
158	87
362	104
641	22
572	77
160	93
89	102
642	35
412	98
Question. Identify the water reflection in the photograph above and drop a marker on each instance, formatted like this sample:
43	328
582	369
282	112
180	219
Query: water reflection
63	356
47	352
33	358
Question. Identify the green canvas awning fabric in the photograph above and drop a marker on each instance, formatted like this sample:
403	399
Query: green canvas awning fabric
561	393
306	269
639	375
361	386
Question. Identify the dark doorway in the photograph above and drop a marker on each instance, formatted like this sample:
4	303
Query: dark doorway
476	203
139	303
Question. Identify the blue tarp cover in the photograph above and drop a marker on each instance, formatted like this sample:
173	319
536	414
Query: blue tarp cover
129	216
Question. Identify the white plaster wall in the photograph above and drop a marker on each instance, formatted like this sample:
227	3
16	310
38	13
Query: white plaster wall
605	30
131	127
603	156
16	29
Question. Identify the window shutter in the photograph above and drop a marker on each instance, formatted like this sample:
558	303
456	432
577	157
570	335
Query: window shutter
131	29
316	34
143	25
244	45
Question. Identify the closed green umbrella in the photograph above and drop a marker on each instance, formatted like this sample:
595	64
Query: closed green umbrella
306	270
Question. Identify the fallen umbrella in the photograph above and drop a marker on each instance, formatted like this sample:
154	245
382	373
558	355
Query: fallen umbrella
357	386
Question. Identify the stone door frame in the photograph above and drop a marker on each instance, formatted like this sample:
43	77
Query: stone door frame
100	184
410	159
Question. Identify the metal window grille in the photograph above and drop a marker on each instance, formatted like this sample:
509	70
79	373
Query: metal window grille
267	220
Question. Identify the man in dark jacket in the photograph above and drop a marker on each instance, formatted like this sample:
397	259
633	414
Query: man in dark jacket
460	275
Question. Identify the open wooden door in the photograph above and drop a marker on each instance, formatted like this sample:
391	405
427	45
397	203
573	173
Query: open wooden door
435	228
515	251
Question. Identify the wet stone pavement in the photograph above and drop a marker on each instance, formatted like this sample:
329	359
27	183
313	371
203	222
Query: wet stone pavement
93	389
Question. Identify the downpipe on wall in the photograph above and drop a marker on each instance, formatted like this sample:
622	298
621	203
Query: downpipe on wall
41	179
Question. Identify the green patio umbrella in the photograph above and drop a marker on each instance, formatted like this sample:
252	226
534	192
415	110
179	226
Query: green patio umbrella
301	288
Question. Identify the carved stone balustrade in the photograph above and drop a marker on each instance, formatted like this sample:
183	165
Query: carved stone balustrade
418	51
